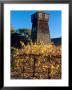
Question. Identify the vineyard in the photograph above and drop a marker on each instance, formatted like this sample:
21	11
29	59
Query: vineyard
36	61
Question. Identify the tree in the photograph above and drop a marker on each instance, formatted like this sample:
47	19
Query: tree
11	29
24	30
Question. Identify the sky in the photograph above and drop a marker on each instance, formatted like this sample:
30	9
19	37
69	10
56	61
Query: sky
22	19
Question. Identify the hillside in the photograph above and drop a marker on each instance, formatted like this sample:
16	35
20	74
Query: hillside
57	41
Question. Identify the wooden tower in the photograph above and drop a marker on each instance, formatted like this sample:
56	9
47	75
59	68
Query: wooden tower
40	28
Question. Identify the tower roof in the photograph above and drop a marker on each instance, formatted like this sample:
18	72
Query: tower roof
40	11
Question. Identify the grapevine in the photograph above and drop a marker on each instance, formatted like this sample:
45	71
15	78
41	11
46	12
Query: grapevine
45	56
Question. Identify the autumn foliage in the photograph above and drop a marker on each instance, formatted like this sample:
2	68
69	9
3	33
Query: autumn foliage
36	61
